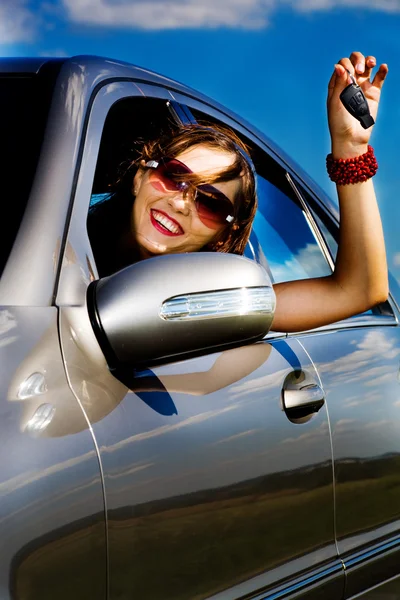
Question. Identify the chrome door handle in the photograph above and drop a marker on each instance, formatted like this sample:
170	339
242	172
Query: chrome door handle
311	395
301	396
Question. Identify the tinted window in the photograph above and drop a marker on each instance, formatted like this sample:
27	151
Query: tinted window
325	224
329	232
285	237
24	103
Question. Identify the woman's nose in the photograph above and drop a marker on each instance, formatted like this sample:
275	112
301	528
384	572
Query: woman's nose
180	202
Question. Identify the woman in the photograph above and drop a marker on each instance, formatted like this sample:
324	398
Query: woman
195	191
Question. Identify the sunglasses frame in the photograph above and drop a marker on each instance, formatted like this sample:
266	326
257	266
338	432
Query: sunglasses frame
182	186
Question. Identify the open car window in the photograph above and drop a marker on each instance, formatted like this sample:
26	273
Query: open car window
130	122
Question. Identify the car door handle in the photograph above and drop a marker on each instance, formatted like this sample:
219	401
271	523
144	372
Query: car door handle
301	395
310	395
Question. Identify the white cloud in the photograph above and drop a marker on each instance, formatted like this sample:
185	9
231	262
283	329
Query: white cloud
369	398
369	351
343	424
17	22
378	424
396	259
145	435
173	14
385	378
390	6
18	481
209	14
242	434
310	437
310	255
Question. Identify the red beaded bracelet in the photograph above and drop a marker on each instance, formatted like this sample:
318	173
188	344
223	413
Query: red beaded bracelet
352	170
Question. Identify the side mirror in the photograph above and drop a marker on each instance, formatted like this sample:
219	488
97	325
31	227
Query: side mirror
176	306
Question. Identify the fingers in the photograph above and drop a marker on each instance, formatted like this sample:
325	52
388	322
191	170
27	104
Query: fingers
361	68
348	65
380	76
338	80
370	63
358	62
362	65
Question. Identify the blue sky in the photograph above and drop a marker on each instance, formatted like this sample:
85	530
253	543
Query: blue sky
267	60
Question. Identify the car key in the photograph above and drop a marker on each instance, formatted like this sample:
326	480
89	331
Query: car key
354	101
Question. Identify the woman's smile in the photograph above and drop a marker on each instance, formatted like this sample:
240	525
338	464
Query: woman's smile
164	223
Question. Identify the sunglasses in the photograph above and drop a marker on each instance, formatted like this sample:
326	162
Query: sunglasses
213	207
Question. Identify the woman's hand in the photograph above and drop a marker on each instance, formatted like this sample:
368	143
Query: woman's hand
348	136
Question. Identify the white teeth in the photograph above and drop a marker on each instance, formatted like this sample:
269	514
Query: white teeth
165	222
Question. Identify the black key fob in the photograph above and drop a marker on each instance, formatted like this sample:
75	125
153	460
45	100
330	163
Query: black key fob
354	101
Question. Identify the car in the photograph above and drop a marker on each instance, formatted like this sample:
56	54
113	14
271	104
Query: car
159	439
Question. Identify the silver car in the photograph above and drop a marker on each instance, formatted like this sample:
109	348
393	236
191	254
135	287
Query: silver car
158	440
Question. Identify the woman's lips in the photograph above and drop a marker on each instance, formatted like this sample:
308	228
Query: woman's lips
165	224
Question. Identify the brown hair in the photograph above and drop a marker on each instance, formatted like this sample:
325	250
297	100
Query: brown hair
233	238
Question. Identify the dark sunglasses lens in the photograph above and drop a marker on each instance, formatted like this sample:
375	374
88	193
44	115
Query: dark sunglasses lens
168	172
212	207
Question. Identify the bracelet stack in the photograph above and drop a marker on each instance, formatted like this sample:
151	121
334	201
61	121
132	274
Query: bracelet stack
344	171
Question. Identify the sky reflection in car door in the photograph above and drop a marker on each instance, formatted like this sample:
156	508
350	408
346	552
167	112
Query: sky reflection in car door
359	369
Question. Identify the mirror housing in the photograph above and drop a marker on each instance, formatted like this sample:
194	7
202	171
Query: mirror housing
175	306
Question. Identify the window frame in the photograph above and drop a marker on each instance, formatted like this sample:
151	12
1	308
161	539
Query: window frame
78	267
313	224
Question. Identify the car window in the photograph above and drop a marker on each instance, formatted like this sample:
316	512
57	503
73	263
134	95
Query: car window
24	104
130	122
326	226
285	236
327	235
329	232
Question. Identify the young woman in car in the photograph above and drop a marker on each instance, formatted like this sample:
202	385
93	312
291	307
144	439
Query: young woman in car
195	191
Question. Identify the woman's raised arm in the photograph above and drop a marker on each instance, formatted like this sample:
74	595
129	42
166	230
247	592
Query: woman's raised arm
360	278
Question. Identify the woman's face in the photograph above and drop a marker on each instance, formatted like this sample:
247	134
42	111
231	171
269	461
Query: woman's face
167	222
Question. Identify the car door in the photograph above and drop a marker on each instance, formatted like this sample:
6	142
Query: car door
218	469
358	360
52	518
53	542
